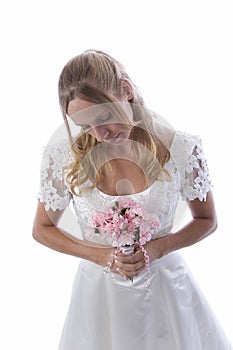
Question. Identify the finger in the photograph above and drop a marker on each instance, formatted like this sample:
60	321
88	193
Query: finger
115	267
119	271
128	270
132	268
131	259
130	274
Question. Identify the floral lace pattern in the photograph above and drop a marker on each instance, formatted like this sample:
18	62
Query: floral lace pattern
54	192
196	182
187	167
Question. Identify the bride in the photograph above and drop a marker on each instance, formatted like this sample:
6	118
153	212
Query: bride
123	150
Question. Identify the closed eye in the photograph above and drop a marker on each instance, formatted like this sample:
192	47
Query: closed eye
98	122
105	117
86	127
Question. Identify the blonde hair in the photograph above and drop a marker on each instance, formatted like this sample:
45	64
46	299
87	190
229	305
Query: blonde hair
97	77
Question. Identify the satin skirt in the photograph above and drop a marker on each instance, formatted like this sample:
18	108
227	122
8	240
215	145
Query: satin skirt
112	313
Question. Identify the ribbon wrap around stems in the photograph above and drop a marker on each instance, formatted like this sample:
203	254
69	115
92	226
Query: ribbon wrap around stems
127	249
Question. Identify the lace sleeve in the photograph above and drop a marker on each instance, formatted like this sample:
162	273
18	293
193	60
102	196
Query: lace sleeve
54	192
196	182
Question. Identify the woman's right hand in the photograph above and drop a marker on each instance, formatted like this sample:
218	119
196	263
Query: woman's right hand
129	266
46	232
106	257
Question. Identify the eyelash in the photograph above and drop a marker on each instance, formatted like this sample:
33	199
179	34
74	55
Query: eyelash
107	117
103	119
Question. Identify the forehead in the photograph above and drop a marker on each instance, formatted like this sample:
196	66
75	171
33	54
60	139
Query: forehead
84	112
81	111
78	105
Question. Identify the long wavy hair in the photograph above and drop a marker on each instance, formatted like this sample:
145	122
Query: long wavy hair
97	77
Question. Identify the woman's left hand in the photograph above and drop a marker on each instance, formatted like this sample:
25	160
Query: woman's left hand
131	265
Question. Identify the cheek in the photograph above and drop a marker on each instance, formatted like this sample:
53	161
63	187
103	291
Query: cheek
113	129
118	127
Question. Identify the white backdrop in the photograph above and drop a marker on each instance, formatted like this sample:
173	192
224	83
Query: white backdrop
180	55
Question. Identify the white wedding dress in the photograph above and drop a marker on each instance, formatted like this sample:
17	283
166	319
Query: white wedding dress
112	313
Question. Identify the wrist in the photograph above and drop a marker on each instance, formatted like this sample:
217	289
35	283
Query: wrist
165	245
100	255
160	247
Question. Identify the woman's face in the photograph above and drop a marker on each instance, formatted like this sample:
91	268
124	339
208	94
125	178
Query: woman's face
96	120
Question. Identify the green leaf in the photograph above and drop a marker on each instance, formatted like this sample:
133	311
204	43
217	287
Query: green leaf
123	211
116	205
137	234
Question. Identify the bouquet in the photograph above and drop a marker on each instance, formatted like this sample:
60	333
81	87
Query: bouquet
124	224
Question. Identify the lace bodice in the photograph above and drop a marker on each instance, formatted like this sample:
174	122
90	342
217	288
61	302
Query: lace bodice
187	167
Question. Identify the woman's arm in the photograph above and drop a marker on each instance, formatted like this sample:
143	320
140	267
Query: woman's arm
45	232
203	223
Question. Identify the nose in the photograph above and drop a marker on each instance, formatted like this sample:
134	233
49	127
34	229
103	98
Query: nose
101	133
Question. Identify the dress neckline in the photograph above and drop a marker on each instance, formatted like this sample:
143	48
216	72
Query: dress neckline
124	195
148	189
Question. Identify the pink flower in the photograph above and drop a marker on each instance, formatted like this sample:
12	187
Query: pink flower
124	223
